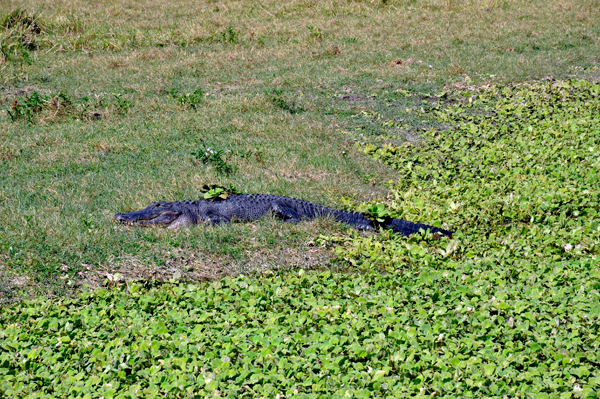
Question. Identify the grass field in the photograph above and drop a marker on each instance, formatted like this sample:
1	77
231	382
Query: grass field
478	116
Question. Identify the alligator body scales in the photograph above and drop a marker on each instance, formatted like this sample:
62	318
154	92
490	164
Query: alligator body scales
246	207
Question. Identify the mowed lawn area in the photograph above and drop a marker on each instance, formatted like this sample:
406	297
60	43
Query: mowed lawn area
481	117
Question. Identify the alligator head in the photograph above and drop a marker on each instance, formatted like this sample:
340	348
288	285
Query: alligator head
156	214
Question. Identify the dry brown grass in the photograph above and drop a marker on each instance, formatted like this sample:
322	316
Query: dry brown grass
193	264
438	28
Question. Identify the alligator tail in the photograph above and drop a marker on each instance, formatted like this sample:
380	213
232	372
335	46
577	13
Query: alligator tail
362	222
355	219
407	228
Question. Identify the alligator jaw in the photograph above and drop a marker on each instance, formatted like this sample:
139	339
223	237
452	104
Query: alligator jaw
148	217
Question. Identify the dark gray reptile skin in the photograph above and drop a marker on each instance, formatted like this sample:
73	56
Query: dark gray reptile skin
244	207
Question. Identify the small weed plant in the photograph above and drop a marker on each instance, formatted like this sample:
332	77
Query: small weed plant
19	31
230	35
217	158
26	109
123	103
38	107
214	192
315	33
278	99
192	100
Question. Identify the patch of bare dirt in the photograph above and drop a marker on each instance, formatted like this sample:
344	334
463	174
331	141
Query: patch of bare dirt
411	137
348	97
189	266
154	54
334	50
12	287
399	62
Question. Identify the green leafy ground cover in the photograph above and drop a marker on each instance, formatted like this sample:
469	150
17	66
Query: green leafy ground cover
106	108
467	331
517	176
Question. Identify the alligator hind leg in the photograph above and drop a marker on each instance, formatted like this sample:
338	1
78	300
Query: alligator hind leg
286	213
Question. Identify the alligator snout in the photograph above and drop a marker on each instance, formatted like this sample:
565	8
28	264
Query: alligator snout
148	217
120	217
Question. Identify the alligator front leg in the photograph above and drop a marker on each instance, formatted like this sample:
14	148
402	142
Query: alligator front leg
286	213
182	221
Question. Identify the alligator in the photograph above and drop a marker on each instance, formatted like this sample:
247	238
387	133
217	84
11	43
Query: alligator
246	207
